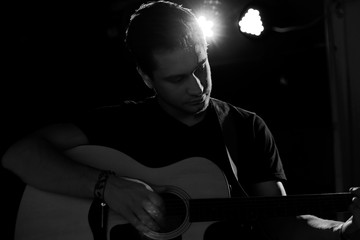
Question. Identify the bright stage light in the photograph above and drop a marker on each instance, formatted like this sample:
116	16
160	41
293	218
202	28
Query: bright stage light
260	18
251	22
256	19
207	26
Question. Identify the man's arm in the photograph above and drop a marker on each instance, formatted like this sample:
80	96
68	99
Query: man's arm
39	161
306	226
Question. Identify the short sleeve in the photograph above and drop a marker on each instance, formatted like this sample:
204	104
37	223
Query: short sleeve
267	159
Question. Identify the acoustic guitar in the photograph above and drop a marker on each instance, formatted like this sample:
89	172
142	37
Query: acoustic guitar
197	197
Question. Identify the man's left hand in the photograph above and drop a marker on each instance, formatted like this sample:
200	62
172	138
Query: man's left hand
351	228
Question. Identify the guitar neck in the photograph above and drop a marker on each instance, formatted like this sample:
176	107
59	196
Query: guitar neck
252	208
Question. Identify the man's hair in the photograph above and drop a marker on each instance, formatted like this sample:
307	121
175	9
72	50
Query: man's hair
161	26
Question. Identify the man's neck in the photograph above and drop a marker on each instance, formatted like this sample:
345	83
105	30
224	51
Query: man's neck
185	118
193	119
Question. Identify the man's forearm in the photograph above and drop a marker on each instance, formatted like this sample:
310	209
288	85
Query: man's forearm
41	165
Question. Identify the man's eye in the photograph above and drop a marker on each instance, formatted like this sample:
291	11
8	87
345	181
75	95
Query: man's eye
176	79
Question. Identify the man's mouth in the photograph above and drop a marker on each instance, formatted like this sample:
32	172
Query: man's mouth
197	101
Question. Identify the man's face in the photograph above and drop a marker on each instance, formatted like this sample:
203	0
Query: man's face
182	81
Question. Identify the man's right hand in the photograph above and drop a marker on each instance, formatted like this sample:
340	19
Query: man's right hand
136	202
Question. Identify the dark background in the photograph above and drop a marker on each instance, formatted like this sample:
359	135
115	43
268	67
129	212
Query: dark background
68	56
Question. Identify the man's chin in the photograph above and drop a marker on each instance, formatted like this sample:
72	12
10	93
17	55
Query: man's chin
198	109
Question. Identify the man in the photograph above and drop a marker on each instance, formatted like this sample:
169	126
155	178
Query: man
180	122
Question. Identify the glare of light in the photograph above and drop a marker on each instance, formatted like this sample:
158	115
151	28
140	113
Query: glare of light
251	22
207	26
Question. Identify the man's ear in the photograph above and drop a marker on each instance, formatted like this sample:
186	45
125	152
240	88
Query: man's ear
147	80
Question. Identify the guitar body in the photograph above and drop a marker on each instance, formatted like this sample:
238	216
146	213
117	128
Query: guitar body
48	216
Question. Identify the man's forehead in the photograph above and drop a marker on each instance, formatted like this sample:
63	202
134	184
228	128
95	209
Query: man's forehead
179	60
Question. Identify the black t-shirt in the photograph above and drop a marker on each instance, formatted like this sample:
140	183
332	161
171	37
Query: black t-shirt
149	135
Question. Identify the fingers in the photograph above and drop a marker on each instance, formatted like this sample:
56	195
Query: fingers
135	221
141	218
144	217
152	209
156	212
355	205
355	191
151	212
155	199
147	219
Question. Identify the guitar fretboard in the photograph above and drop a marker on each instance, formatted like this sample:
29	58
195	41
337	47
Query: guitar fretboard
245	209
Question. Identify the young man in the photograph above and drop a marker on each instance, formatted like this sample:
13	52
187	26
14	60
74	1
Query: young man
179	123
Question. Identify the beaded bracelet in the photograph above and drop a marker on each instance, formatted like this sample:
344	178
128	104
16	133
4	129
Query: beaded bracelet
99	189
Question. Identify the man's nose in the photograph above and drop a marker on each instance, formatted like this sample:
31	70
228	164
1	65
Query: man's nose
195	86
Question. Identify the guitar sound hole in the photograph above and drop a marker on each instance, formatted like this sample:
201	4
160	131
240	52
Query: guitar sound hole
175	212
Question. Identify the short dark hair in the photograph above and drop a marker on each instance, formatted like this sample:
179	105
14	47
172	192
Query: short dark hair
161	25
